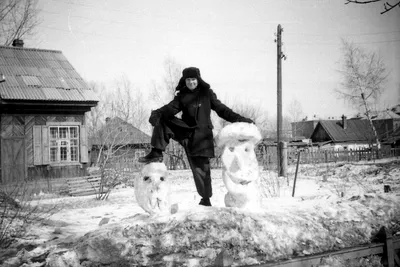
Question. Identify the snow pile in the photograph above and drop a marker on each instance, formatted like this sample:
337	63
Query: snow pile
195	237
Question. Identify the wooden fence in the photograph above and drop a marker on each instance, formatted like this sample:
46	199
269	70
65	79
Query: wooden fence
325	156
268	158
385	246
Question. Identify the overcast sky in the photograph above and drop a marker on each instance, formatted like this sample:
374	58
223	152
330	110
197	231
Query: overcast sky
231	41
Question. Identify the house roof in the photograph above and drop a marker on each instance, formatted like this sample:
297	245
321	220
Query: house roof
356	130
396	109
119	132
394	137
380	115
44	75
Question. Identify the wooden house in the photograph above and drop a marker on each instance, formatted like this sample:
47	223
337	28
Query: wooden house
303	129
393	140
386	123
43	105
396	109
343	134
119	139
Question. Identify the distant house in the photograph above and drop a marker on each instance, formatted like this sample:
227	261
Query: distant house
343	134
43	105
396	109
120	138
303	129
393	140
386	122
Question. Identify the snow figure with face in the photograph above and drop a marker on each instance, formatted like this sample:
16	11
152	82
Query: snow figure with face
152	189
240	171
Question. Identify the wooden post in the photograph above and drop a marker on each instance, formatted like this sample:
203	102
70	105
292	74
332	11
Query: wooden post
223	259
295	175
279	97
385	237
283	159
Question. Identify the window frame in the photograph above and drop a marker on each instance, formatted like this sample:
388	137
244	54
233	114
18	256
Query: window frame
68	141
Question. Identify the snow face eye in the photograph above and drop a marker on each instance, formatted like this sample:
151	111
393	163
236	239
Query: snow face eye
146	178
232	148
247	149
162	178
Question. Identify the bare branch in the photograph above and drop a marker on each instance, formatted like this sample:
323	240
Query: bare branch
387	6
17	19
387	9
361	2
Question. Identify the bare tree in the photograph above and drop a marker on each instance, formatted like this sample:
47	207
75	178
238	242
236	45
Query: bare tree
252	111
112	128
294	114
96	115
164	92
126	102
113	142
161	95
18	18
386	5
364	75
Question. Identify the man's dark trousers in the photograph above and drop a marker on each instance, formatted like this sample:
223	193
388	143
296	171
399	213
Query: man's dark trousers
179	131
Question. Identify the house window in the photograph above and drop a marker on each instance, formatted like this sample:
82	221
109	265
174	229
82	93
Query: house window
139	153
64	144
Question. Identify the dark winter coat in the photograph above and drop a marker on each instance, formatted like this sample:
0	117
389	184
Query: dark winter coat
196	108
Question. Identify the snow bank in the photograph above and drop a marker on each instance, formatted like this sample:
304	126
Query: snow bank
198	235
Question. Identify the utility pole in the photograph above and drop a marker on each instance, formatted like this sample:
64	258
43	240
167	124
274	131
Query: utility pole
281	154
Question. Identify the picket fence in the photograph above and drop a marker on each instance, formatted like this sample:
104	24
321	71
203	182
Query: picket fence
325	156
268	158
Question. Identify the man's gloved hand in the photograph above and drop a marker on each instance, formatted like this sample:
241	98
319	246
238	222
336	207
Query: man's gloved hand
155	118
247	120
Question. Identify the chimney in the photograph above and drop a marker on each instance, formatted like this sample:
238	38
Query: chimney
344	122
18	43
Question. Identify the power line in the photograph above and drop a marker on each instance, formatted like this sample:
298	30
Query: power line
261	23
92	6
87	33
83	17
349	34
316	43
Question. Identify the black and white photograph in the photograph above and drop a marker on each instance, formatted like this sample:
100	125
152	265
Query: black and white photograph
240	133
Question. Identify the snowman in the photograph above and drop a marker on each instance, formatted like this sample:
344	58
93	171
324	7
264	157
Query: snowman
240	171
152	189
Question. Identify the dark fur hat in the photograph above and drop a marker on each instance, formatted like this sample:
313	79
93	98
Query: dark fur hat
191	72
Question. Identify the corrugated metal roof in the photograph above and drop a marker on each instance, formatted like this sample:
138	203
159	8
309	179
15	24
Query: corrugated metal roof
31	81
37	74
356	130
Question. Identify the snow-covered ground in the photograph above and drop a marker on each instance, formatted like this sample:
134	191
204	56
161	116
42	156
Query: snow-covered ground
335	191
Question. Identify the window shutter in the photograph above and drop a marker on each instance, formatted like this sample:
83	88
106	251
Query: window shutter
37	145
45	145
83	143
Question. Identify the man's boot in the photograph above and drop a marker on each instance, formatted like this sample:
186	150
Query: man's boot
205	202
155	155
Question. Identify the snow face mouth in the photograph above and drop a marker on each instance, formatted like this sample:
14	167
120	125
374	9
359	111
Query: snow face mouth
244	182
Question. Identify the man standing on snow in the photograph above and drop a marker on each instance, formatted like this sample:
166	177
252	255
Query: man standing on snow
195	99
